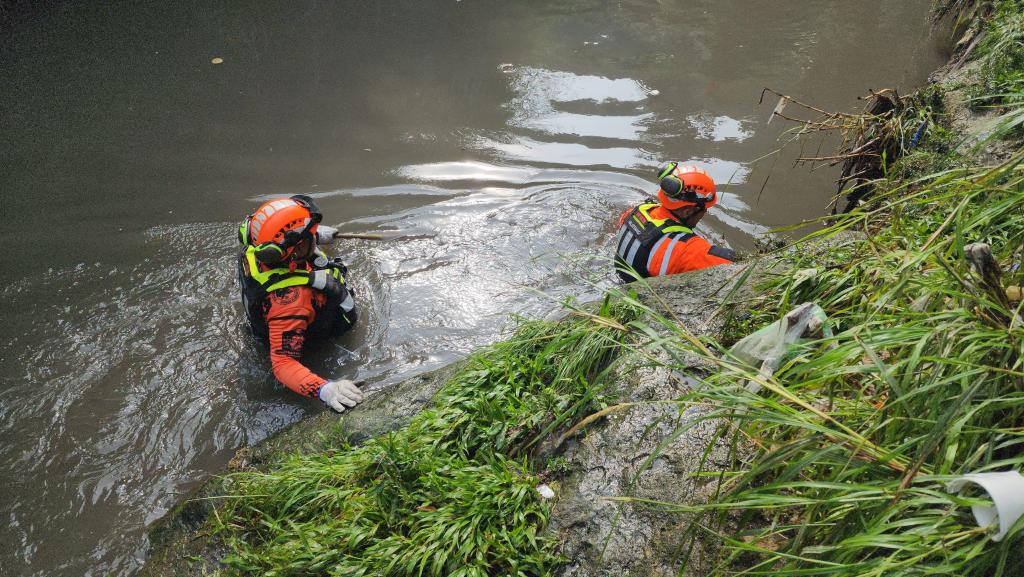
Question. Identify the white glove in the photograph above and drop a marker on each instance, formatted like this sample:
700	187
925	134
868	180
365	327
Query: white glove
340	394
325	234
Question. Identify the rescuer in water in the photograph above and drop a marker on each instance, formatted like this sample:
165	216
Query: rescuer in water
291	292
657	238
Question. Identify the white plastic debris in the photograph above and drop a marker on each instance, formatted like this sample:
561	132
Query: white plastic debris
778	108
1006	488
546	492
766	346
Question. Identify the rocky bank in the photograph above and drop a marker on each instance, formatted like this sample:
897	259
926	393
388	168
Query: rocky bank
632	452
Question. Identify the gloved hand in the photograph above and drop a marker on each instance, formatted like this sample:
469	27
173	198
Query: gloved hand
340	394
325	234
325	282
339	264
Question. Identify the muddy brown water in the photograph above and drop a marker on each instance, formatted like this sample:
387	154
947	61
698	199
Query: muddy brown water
502	137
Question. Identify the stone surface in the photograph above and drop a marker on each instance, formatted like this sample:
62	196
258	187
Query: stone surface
975	123
648	450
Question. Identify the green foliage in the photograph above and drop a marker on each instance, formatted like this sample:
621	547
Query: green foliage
966	14
452	493
558	467
937	153
857	434
853	439
1001	54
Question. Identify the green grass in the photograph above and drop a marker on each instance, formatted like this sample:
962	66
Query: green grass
996	28
452	493
849	444
855	436
853	440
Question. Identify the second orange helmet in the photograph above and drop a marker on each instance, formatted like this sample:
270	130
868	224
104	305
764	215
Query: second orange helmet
685	185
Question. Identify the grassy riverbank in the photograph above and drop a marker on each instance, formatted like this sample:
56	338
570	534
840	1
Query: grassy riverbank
848	446
857	434
453	492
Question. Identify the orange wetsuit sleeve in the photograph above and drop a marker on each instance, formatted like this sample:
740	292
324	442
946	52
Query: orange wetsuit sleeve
288	318
622	217
686	256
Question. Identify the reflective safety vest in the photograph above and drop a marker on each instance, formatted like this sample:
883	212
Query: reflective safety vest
639	238
256	284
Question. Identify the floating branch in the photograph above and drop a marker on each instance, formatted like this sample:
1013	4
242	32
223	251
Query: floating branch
888	128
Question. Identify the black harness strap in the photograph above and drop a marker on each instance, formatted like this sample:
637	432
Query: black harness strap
638	240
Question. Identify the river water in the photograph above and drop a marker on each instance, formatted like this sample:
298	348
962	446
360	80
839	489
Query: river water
501	138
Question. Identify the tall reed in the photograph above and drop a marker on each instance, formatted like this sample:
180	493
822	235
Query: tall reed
856	435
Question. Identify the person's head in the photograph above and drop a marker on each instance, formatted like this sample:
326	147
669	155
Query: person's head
282	230
686	190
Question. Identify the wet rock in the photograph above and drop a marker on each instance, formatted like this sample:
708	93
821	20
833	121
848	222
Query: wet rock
638	453
624	457
959	83
385	411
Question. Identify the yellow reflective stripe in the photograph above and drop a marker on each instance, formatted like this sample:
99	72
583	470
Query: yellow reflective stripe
263	277
668	229
645	210
297	280
292	278
254	267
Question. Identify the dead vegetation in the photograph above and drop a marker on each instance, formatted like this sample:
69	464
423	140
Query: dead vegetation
888	128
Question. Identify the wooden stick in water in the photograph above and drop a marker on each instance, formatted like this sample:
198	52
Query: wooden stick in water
361	235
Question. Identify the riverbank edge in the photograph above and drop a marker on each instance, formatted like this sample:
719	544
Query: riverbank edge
179	543
609	455
183	543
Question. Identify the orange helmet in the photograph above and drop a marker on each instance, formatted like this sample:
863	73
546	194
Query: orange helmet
279	225
685	185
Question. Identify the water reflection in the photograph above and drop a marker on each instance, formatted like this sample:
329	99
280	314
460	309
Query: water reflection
719	128
524	149
541	91
487	172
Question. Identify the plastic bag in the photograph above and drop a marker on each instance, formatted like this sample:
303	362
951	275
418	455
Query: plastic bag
766	347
